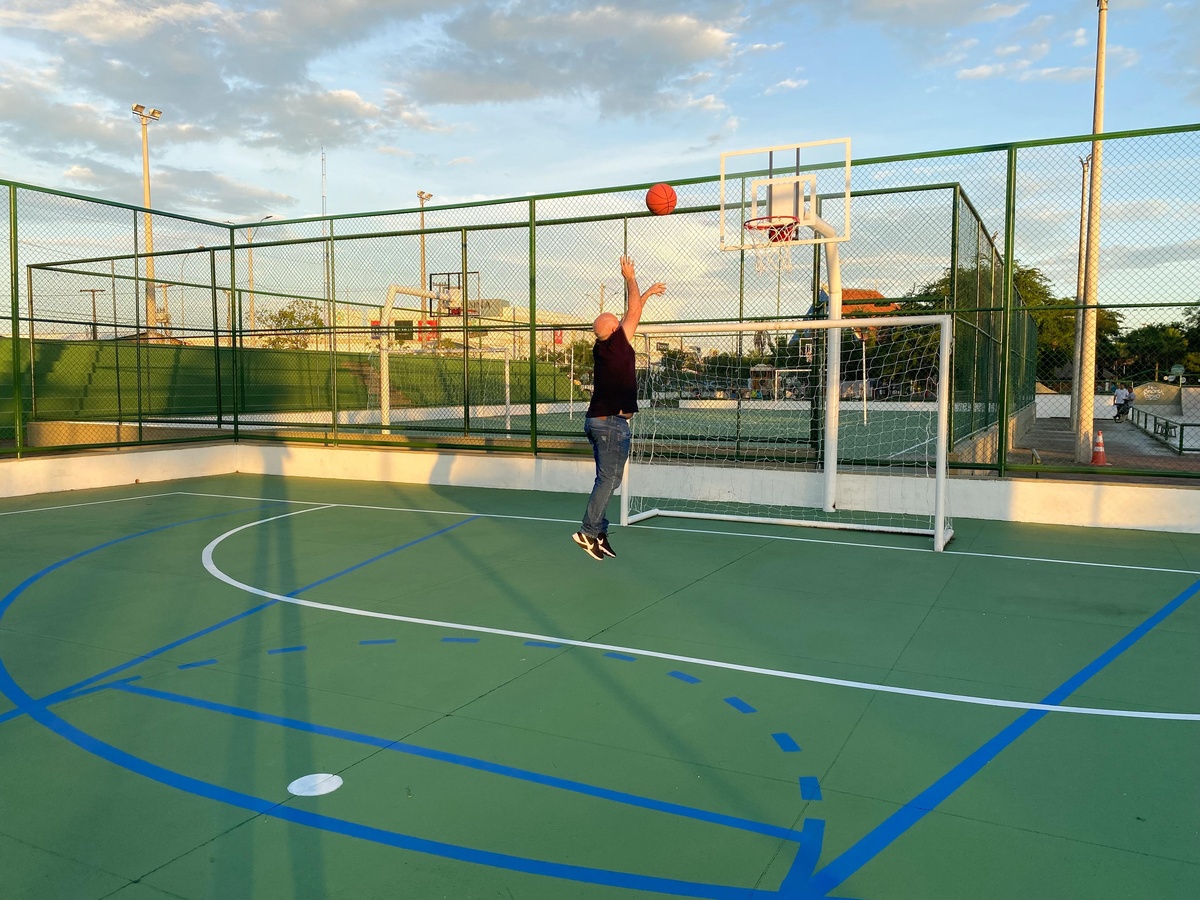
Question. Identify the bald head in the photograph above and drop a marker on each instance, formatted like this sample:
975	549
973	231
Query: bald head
605	325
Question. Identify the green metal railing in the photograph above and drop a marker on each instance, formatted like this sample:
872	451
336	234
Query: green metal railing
316	329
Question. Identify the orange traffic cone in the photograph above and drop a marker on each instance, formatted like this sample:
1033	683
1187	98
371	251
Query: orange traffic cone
1098	457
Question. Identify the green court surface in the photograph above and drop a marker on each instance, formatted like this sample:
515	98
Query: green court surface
724	711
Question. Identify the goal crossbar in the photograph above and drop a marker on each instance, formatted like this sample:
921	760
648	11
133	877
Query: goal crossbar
833	328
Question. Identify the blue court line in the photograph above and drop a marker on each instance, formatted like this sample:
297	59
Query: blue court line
469	762
880	838
197	664
786	742
380	641
460	640
623	657
795	883
684	676
296	649
297	815
384	555
810	788
740	705
39	711
68	692
547	644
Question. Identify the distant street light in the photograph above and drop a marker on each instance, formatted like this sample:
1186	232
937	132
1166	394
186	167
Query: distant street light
421	198
93	292
146	115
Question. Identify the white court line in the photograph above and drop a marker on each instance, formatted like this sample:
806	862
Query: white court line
17	512
769	537
212	568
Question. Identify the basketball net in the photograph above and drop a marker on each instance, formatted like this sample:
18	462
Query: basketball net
768	236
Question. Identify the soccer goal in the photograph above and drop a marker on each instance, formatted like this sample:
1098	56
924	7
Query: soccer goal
719	437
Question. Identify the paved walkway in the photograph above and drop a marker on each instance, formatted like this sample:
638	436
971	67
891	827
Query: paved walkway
1126	447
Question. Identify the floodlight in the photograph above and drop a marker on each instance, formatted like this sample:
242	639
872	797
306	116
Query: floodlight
138	108
154	113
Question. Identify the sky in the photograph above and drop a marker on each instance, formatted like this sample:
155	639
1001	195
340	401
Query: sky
471	100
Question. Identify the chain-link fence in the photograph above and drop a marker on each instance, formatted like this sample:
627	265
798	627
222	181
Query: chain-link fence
469	325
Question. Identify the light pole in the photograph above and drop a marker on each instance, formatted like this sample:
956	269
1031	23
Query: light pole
146	115
250	267
1084	162
93	292
421	198
1087	356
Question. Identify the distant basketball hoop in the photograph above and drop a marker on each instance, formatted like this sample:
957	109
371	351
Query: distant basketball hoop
771	237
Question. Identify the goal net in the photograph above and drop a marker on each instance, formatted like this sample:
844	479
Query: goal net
832	424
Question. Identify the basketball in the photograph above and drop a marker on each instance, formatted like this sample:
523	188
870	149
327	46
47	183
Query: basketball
661	199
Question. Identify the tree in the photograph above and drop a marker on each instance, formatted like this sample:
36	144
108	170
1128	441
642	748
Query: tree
293	325
1155	348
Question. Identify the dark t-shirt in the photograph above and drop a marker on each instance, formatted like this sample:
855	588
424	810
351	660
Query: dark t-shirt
615	377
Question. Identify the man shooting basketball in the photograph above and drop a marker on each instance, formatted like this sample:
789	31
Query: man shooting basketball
614	401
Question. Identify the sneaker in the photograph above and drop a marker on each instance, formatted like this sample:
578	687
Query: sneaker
590	545
605	546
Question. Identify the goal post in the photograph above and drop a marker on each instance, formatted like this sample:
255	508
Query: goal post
737	448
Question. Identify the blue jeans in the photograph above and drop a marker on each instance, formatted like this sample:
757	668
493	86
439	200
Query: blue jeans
610	437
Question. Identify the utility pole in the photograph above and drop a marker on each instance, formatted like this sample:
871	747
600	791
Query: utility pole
93	292
1091	277
146	116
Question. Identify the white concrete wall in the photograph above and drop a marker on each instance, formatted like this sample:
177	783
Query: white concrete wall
1043	500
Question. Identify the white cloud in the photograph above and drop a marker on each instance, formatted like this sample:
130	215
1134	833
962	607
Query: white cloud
977	73
461	161
931	13
1079	37
1058	73
1038	50
628	59
788	84
1122	57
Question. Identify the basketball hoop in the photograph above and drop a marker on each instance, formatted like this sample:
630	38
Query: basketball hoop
766	234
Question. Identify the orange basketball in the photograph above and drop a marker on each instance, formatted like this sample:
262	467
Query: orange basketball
661	199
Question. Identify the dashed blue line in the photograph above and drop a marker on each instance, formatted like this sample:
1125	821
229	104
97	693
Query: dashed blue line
810	788
380	641
623	657
786	742
740	705
547	644
296	649
684	676
199	662
460	640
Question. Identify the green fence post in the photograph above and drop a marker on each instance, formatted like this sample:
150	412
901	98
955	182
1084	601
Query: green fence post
1010	206
112	274
331	296
235	328
15	313
137	327
955	224
212	278
463	299
533	327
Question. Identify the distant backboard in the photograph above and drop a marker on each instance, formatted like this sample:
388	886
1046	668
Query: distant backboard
809	182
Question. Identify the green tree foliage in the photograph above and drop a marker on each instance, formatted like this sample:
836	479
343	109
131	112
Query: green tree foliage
292	326
1155	348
